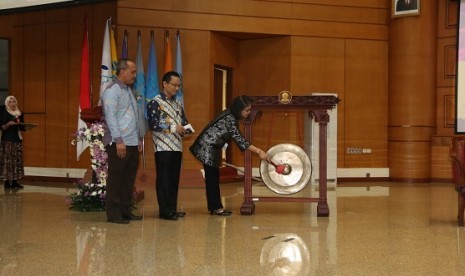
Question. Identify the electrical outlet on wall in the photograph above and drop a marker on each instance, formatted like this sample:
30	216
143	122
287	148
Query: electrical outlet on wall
354	151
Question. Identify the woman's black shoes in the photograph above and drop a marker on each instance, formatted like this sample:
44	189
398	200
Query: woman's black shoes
16	185
7	185
12	185
221	212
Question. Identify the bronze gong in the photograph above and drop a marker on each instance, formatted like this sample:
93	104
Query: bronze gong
289	171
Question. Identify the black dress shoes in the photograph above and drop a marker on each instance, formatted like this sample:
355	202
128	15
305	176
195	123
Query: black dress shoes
118	220
169	216
133	217
181	214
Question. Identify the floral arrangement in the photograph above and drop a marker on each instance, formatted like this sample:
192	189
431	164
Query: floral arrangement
91	195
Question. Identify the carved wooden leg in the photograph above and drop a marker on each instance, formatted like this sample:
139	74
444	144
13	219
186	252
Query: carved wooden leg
322	209
247	208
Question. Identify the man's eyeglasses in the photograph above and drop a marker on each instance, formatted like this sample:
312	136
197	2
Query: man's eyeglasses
176	85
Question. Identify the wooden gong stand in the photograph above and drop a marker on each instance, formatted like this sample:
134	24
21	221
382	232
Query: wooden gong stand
318	107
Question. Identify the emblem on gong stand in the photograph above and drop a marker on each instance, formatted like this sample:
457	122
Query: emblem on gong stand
284	97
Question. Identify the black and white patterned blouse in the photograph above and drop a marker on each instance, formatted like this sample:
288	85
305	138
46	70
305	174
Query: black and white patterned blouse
207	147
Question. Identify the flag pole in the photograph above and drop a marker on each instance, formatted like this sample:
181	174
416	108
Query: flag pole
124	48
168	55
86	22
143	137
139	86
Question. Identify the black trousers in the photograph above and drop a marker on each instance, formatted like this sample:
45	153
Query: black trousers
212	183
168	166
120	183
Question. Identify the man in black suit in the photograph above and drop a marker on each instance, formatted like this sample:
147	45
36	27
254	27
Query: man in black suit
406	5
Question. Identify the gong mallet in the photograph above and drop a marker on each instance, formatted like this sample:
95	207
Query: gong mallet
281	168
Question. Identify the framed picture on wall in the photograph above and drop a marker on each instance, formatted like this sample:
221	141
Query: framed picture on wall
405	7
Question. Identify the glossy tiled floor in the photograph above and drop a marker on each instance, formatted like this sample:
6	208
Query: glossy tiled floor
373	229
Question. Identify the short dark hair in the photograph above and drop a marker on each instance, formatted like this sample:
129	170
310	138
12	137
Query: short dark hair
167	76
238	104
121	65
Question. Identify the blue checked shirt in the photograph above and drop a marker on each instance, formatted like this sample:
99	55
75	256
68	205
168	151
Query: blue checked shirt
120	111
162	113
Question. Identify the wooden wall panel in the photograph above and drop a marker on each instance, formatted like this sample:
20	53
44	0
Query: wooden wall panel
441	166
362	15
446	62
33	18
8	22
333	11
445	92
34	68
318	65
274	26
447	18
405	153
33	77
366	127
17	66
445	111
34	141
56	109
348	3
265	64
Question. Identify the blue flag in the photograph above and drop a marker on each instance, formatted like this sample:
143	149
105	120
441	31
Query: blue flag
180	93
139	89
152	87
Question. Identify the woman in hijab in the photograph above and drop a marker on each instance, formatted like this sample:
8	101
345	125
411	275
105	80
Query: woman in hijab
11	148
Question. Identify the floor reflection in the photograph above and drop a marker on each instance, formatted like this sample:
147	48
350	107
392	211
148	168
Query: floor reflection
10	229
285	254
90	244
378	229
